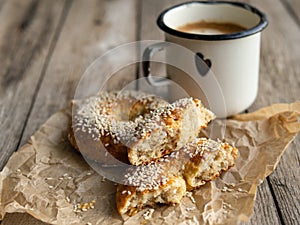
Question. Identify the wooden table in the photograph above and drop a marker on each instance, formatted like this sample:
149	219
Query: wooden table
46	45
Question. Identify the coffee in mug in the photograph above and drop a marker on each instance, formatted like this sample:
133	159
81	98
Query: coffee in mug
206	27
223	41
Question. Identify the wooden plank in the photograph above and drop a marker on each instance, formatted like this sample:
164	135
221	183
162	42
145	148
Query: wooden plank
293	7
265	211
2	2
27	29
91	28
285	183
280	82
149	11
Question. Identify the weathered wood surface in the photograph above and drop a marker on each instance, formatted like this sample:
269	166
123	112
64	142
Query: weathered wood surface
280	82
265	211
293	7
27	31
88	31
42	80
2	3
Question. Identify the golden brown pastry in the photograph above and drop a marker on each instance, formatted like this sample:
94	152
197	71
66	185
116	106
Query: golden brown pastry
134	127
106	122
158	137
167	179
132	199
167	129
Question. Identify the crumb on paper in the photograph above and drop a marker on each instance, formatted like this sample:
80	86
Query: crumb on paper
148	214
83	207
227	206
190	195
226	189
68	199
231	185
241	190
190	208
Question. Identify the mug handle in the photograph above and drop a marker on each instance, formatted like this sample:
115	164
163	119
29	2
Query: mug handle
147	55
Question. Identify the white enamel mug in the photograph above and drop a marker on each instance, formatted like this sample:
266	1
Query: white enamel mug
223	69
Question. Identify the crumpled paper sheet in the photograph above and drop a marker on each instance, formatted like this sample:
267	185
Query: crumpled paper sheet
47	177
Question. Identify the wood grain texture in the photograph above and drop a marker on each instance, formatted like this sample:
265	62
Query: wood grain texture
91	28
277	55
264	206
28	96
293	7
280	82
26	32
2	2
264	209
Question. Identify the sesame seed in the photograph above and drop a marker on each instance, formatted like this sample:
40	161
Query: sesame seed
68	199
148	214
83	207
241	190
190	208
145	177
190	195
224	189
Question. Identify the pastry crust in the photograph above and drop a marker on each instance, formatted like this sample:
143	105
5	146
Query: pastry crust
105	123
196	163
167	129
130	199
159	138
134	127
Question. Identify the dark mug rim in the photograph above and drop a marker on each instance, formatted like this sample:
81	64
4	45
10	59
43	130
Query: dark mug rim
215	37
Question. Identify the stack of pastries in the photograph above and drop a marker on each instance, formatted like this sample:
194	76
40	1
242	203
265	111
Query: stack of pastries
160	140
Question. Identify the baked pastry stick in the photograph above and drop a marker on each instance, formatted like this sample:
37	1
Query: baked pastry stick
105	123
167	179
167	129
131	199
134	127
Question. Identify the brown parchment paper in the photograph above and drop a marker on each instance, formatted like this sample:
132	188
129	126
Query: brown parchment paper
46	177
